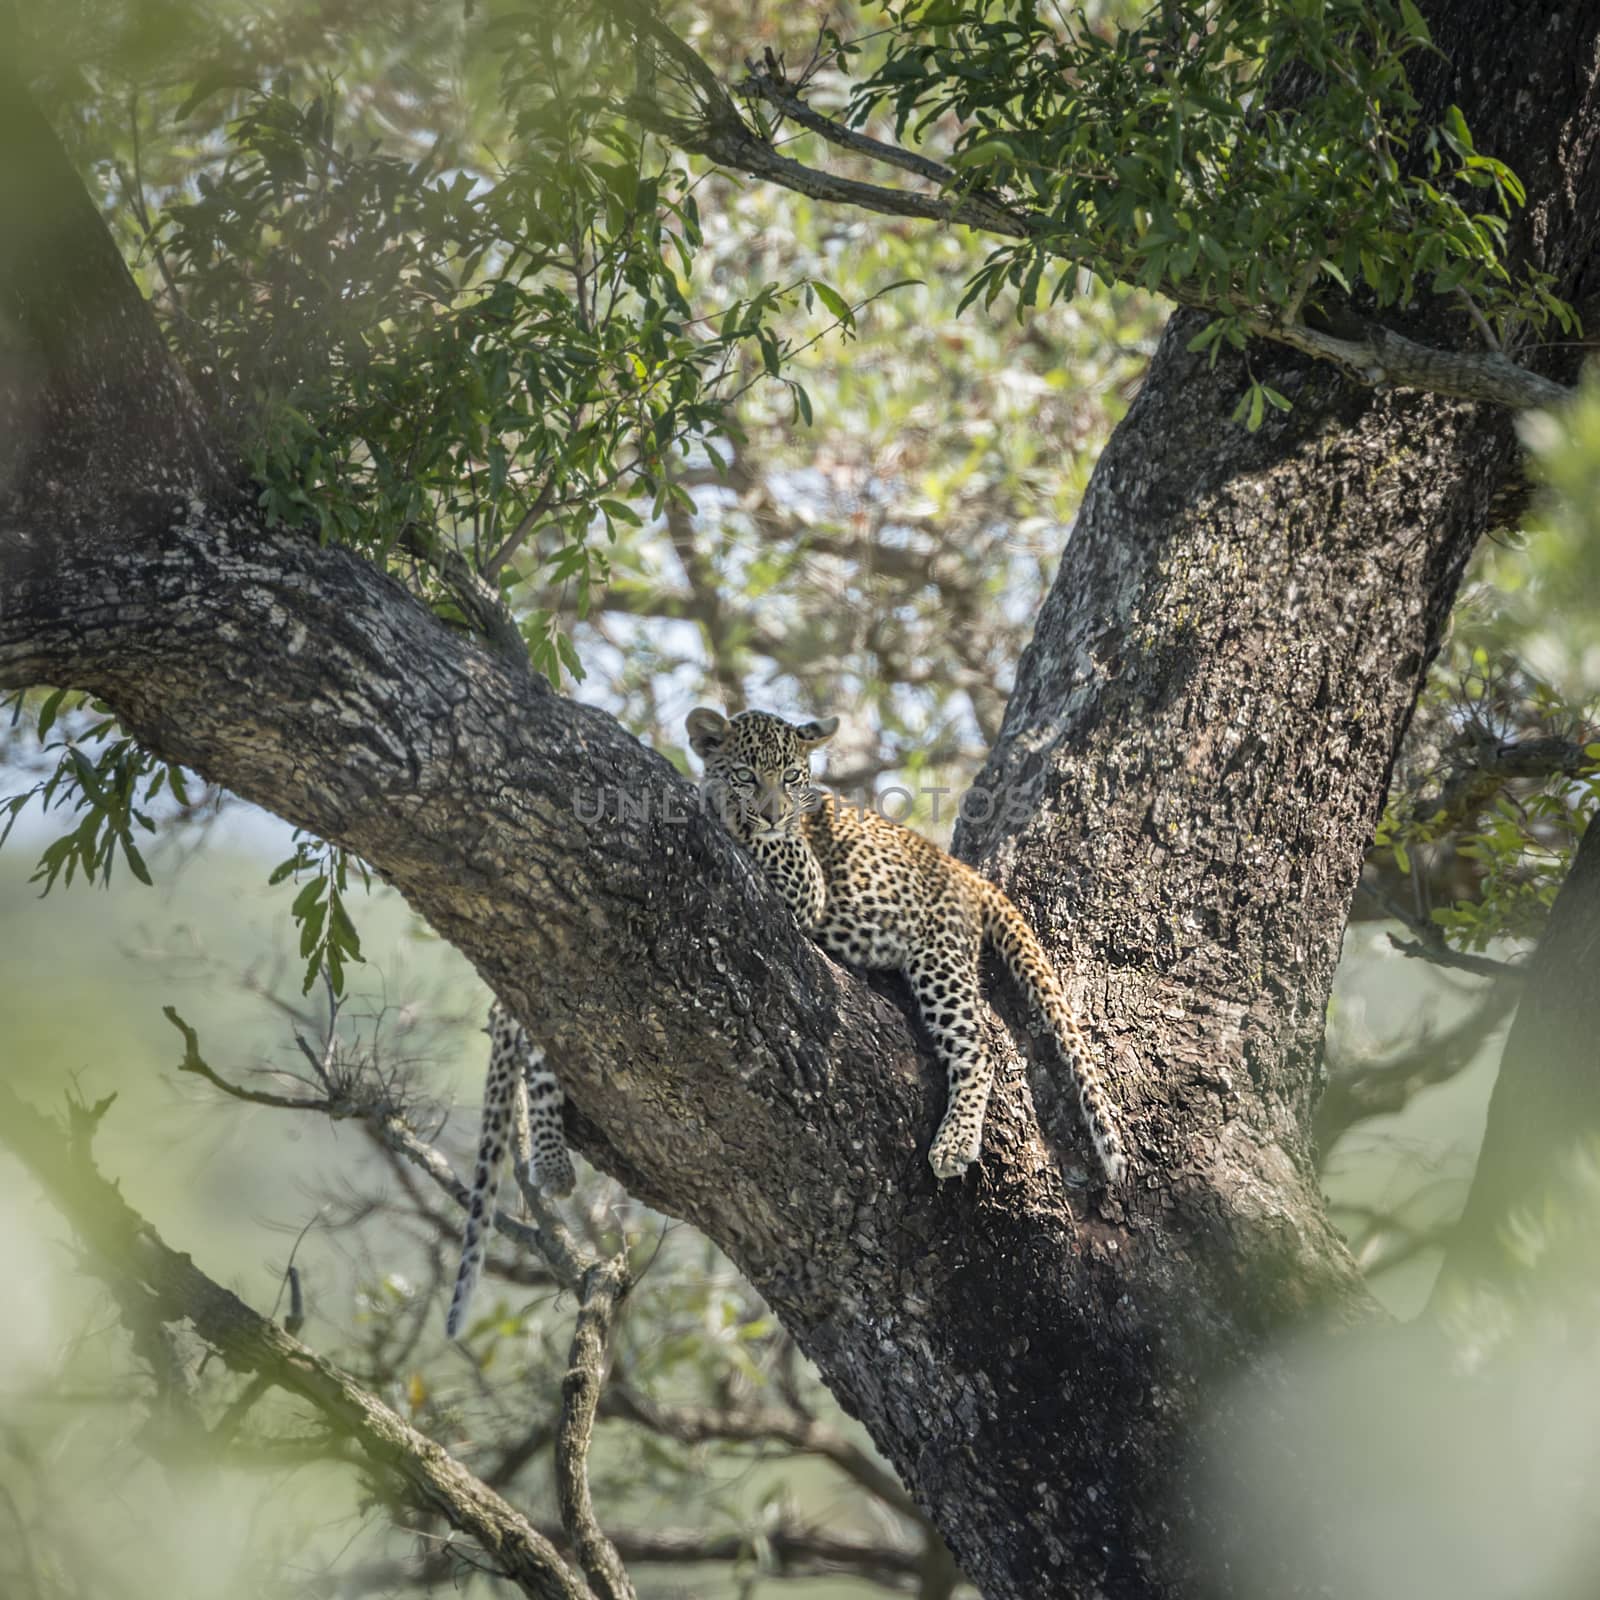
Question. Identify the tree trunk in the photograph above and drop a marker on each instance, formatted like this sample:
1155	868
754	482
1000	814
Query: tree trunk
1187	777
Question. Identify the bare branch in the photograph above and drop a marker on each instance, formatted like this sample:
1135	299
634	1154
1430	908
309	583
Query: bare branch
122	1240
604	1284
781	96
1382	1088
1441	955
696	1424
194	1062
794	1550
387	1125
525	525
1429	943
1384	359
732	144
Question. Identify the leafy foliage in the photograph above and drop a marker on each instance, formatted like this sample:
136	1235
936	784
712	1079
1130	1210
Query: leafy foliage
328	937
1243	155
107	778
423	359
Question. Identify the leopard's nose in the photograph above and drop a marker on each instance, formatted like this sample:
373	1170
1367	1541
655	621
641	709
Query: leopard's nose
772	808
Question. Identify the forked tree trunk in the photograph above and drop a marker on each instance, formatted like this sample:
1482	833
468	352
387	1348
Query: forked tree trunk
1189	772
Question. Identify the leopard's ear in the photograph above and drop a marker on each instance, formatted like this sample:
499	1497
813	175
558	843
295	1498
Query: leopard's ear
707	730
811	734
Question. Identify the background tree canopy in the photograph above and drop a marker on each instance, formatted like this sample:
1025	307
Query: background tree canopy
362	366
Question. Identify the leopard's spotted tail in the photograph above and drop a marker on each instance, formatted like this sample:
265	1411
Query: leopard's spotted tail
1008	930
498	1091
513	1063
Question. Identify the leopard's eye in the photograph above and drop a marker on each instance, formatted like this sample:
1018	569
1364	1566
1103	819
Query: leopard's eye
793	775
742	775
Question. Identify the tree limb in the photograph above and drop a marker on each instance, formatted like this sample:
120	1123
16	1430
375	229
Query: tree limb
780	95
603	1286
795	1550
696	1424
1485	764
1429	943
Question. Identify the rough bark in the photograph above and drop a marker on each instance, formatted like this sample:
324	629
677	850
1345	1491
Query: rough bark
1199	740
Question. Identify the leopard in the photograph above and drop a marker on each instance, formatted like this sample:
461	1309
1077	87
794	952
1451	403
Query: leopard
882	897
518	1079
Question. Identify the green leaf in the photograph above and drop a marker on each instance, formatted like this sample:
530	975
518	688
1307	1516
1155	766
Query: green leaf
569	656
1414	22
136	861
47	713
835	302
342	932
309	895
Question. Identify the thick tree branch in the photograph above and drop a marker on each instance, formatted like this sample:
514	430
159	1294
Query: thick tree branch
124	1243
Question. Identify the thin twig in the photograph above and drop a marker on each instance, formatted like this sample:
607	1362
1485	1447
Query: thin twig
1429	942
696	1424
604	1285
527	523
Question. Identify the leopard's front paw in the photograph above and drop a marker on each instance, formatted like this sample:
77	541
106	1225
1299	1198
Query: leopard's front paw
954	1149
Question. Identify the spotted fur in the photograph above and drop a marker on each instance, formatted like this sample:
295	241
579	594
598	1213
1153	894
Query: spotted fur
883	897
516	1067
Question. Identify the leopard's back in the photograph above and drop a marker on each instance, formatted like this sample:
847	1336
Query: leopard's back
891	894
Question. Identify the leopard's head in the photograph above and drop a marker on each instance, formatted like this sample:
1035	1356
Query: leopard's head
757	776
